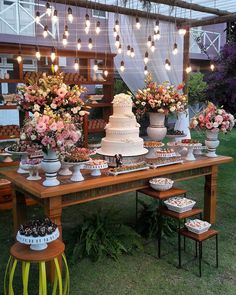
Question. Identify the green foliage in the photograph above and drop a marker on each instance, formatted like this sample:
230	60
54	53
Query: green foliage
196	88
148	223
101	235
120	86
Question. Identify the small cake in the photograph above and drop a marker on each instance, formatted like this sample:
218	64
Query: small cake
165	153
189	141
77	155
153	144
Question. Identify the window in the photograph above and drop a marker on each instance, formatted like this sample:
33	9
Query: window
99	14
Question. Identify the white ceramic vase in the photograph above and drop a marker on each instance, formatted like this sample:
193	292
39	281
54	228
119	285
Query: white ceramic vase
51	165
157	130
211	143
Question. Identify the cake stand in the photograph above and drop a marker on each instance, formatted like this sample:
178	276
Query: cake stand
33	170
152	150
23	156
7	157
191	147
65	169
96	168
38	243
77	175
175	137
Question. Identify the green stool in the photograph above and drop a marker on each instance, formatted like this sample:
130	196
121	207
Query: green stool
22	253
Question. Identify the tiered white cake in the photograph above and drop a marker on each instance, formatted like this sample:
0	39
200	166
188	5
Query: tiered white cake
122	131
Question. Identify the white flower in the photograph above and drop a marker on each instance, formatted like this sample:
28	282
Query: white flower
82	113
215	124
33	137
44	94
74	110
161	111
23	136
143	103
36	115
172	109
53	106
220	112
137	102
195	122
79	133
36	107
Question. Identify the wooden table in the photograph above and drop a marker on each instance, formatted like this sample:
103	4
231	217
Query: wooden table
54	199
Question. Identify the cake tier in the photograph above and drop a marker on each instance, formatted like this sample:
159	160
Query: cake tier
122	122
125	148
118	135
122	110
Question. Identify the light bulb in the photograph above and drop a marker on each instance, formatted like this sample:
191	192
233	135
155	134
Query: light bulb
79	44
45	31
138	25
119	49
175	49
19	58
146	58
66	32
114	32
117	43
98	29
76	64
188	69
156	28
122	66
149	42
145	71
87	21
117	26
158	35
37	53
53	55
86	29
70	15
95	66
37	18
105	73
212	67
153	46
64	40
132	54
128	50
167	65
182	31
90	44
55	17
48	9
56	68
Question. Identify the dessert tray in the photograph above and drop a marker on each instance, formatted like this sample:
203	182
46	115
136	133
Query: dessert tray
23	156
197	226
191	145
152	146
179	204
161	184
77	166
128	168
155	163
96	165
165	153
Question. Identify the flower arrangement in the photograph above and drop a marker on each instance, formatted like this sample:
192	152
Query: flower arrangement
51	92
213	118
163	98
50	130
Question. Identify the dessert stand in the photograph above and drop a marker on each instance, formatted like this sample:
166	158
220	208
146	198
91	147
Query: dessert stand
77	166
175	137
152	150
191	147
38	243
23	157
6	157
95	168
165	160
65	169
33	170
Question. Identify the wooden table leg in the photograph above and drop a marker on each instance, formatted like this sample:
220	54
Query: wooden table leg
210	195
19	209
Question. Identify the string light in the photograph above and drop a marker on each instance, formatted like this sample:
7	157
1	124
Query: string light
55	17
175	49
86	29
45	31
64	40
37	53
146	59
117	26
48	9
95	67
19	58
145	71
87	21
56	68
157	35
105	72
156	28
117	43
122	66
90	44
182	31
212	66
37	18
128	50
153	46
167	65
149	42
79	44
70	15
53	54
120	49
115	33
188	69
138	25
132	54
98	29
76	64
66	32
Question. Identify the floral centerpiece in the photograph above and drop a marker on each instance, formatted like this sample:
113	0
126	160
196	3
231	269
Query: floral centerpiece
164	98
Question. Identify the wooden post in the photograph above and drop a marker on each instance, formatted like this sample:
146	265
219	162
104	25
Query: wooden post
186	59
19	209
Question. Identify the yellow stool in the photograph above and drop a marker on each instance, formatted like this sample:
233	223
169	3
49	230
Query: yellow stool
23	253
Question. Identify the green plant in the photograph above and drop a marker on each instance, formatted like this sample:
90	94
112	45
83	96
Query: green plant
148	223
100	235
196	88
120	86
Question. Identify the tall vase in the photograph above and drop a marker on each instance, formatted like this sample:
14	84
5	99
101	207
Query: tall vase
51	165
182	123
156	130
211	143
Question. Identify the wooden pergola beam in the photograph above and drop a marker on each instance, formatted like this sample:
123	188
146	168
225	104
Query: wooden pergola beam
192	6
118	9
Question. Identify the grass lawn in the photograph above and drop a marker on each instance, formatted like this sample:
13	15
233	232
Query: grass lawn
143	272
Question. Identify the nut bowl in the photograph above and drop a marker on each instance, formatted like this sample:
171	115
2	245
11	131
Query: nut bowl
179	204
197	226
161	184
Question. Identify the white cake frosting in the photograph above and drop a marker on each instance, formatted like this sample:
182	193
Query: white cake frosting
122	131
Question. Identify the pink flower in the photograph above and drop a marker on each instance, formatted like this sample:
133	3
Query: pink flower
219	119
61	92
45	141
44	119
201	118
209	125
53	126
60	125
41	127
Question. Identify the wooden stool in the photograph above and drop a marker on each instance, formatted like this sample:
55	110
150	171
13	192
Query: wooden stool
23	253
177	216
199	238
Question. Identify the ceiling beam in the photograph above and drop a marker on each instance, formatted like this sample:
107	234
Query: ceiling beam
191	6
118	9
